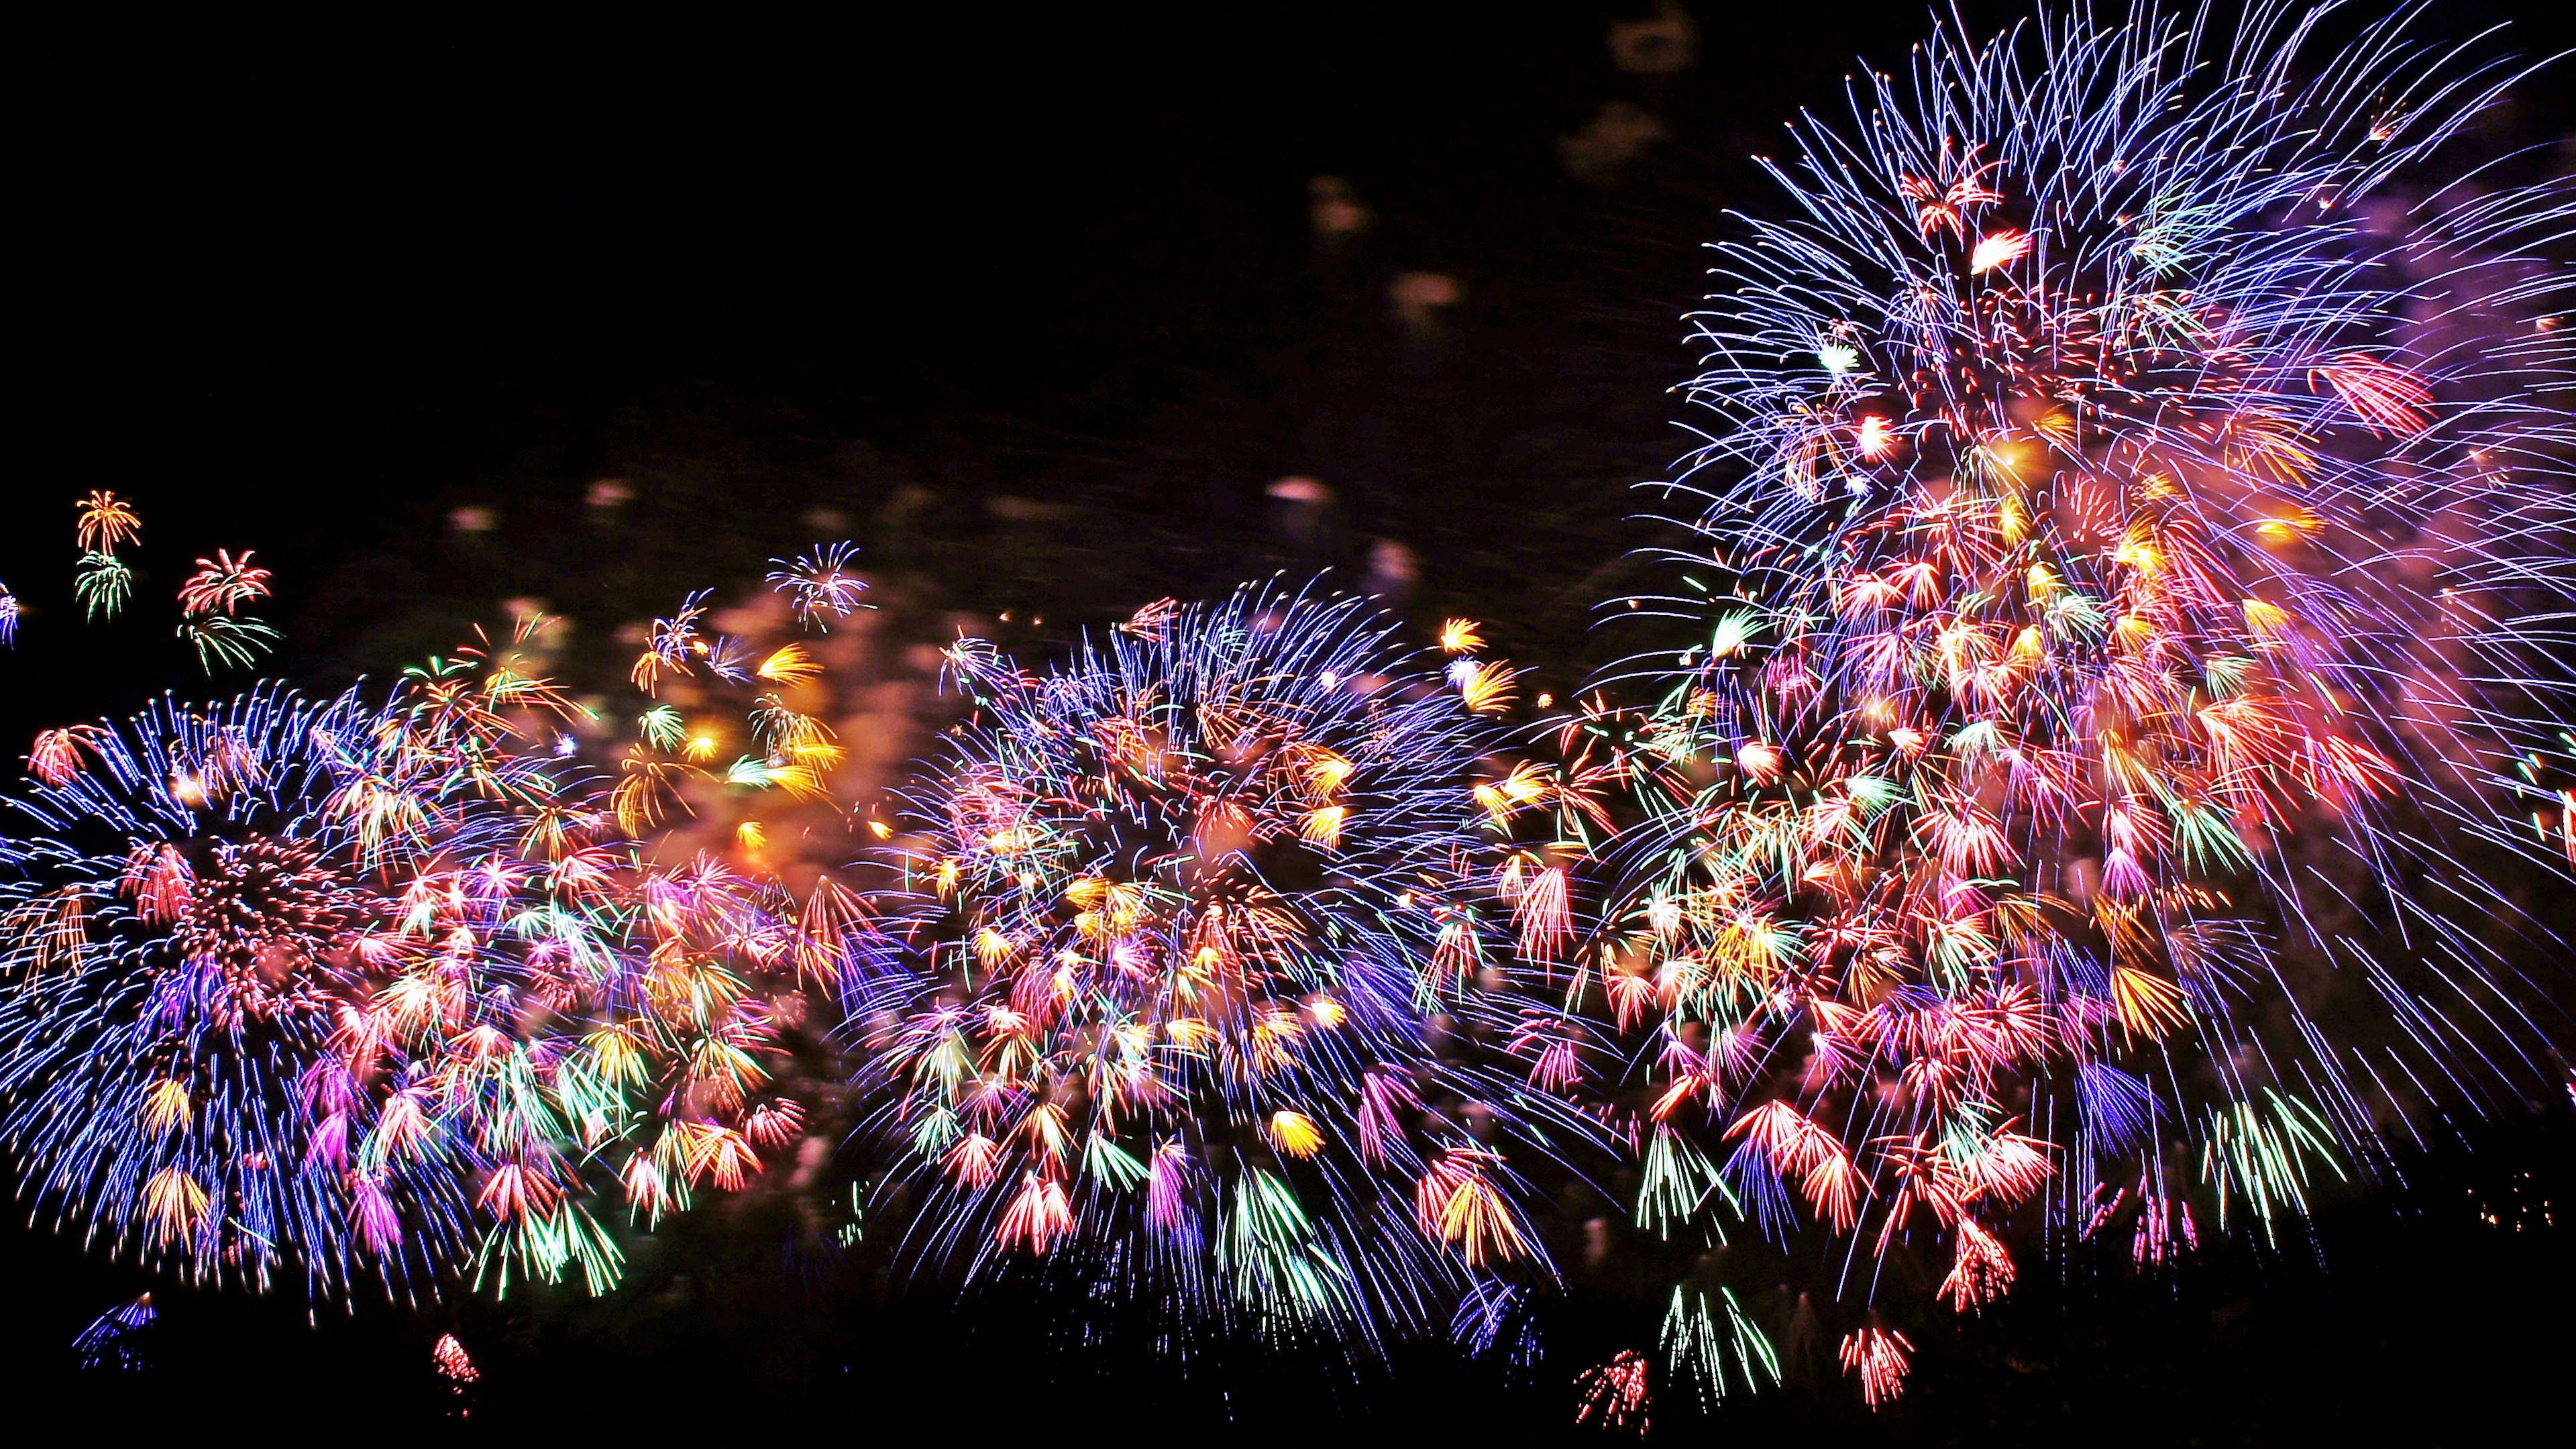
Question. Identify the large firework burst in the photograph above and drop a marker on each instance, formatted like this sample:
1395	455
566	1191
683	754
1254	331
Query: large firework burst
183	924
362	991
1205	993
2136	580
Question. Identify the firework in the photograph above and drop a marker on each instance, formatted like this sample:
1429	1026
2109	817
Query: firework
368	992
453	1363
208	605
1880	1357
1205	991
1710	1343
182	920
102	584
105	523
820	585
222	585
115	1339
614	1036
2123	582
737	768
220	639
322	995
210	601
1493	1320
9	612
1617	1393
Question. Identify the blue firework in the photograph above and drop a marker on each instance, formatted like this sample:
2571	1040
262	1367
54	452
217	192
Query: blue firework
182	928
1205	992
2132	568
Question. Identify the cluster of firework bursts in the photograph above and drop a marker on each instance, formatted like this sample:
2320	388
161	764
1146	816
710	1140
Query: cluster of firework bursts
211	600
386	988
371	990
2129	585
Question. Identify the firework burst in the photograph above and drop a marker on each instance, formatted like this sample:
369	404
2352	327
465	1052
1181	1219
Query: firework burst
2136	565
353	992
1206	990
182	923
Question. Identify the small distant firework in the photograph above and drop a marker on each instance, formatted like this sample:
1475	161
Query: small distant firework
56	755
222	585
1202	996
1617	1394
2135	553
820	586
1149	621
220	639
105	523
1880	1357
452	1362
673	646
114	1341
1711	1343
1493	1320
9	611
102	584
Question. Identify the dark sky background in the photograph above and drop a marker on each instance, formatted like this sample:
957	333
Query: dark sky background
308	289
311	286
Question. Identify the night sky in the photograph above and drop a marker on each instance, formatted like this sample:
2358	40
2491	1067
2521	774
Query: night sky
1036	310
